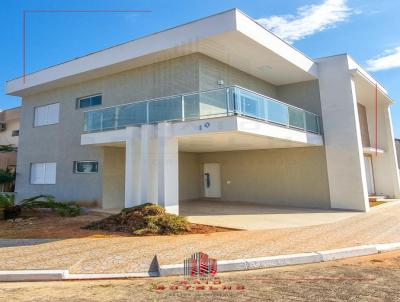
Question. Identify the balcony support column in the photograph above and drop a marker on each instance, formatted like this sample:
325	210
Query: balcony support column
167	161
148	189
132	167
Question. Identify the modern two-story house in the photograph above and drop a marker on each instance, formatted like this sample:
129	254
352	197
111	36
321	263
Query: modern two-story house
218	108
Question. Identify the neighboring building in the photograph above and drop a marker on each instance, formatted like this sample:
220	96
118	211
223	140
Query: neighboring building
9	134
397	145
164	118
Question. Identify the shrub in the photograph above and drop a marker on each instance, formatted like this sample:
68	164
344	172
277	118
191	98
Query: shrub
13	210
173	224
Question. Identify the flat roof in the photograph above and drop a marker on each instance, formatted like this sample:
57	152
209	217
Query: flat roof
230	37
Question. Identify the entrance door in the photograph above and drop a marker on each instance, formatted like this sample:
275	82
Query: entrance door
212	180
369	175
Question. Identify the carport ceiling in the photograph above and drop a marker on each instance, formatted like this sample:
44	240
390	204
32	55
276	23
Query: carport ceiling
233	141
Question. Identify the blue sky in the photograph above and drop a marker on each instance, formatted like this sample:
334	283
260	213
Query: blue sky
366	29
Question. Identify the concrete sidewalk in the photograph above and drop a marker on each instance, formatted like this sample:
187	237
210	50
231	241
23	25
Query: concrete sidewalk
250	216
135	254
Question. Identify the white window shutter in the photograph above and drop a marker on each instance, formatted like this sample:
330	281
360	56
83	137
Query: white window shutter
37	173
40	116
50	173
43	173
53	113
47	115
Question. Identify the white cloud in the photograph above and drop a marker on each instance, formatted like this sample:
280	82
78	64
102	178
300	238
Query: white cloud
309	20
389	59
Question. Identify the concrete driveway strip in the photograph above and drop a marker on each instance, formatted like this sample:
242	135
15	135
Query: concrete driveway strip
23	242
135	254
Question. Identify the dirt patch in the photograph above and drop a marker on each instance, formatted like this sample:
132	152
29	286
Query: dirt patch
150	219
46	224
376	203
387	260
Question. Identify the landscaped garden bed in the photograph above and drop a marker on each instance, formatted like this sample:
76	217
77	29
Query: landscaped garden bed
45	223
150	219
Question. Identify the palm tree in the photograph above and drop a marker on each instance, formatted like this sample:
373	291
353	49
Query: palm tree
8	148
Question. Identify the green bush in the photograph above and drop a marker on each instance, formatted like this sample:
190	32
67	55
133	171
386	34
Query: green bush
6	200
48	202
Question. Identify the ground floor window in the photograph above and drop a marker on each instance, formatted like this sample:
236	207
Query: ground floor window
86	166
43	173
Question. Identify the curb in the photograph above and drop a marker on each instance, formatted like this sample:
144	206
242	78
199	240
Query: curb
387	247
110	276
348	252
223	265
248	264
285	260
33	275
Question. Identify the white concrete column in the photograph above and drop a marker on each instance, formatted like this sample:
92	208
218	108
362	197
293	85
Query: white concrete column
386	173
148	173
152	188
145	131
168	181
132	167
391	151
342	135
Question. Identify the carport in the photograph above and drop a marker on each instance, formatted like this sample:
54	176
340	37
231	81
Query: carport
252	216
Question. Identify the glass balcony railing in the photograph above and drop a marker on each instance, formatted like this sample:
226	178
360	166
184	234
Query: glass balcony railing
227	101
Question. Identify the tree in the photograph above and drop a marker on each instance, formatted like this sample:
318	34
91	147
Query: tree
6	176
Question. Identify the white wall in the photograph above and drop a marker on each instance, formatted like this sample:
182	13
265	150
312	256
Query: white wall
113	178
386	175
344	154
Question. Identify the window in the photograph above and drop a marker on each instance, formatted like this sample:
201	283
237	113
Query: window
89	101
43	173
15	133
86	166
47	115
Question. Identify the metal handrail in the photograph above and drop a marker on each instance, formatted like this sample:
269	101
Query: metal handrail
234	110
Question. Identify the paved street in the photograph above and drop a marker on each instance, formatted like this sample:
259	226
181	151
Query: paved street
135	254
370	278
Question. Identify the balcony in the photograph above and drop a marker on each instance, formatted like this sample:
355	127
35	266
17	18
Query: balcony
227	101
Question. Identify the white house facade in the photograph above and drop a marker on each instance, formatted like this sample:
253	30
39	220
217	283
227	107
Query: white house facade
219	108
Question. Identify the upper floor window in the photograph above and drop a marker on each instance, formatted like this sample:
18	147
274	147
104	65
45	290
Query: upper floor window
89	101
15	133
47	115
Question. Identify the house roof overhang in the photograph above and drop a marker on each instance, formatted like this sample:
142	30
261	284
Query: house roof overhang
366	85
230	37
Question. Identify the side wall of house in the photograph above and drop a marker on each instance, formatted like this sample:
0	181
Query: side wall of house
60	143
304	95
189	176
212	71
113	178
283	177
